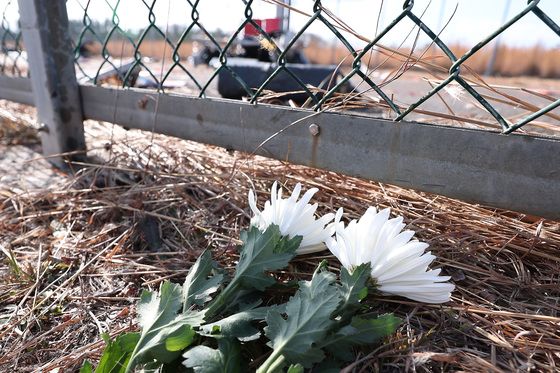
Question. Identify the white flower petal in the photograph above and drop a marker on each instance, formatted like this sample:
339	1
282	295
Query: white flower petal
412	266
399	265
401	239
294	218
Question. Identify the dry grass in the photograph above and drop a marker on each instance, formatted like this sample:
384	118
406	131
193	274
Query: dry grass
510	61
16	128
76	254
148	48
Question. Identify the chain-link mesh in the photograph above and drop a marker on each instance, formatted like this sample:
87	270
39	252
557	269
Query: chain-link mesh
112	41
12	57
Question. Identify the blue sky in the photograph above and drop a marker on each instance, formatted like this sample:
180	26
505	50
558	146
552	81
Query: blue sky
473	20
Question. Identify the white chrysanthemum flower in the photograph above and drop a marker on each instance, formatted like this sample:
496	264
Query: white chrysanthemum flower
399	265
294	218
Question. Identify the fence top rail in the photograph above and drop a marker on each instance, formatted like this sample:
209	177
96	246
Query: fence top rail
468	164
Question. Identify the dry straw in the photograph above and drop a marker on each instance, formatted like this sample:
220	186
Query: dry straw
77	253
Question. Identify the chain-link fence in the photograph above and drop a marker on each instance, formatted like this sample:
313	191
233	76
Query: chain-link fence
12	56
111	41
281	68
76	70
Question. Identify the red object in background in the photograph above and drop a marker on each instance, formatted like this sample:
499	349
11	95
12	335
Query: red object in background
250	30
272	25
269	25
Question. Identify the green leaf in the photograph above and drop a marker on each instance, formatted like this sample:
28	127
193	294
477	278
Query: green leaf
239	324
117	353
311	356
159	309
287	245
180	338
154	367
361	331
262	252
198	287
164	333
353	287
86	367
367	331
176	366
226	359
329	365
308	318
297	368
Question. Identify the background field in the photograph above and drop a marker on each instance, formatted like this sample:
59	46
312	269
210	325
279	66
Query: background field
537	61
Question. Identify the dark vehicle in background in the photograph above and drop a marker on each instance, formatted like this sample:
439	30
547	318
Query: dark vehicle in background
253	58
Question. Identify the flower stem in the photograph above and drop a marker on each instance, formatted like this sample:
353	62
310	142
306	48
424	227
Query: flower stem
273	362
221	300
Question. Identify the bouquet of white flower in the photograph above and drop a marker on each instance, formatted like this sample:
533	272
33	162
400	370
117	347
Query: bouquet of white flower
215	324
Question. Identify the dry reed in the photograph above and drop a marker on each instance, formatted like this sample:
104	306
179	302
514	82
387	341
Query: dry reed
510	61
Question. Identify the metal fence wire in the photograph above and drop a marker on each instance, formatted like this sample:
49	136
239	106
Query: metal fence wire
127	72
13	61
